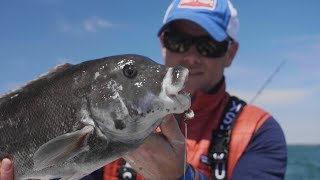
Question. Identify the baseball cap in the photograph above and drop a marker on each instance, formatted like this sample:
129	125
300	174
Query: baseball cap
217	17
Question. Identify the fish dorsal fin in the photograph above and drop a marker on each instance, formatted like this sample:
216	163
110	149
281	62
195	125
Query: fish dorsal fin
56	70
48	75
62	148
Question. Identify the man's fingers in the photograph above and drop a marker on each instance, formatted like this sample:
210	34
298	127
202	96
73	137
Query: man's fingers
171	130
6	170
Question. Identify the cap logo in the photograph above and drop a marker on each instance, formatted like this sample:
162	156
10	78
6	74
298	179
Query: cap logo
198	4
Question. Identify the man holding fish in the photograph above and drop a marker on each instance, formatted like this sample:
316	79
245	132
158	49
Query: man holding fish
227	138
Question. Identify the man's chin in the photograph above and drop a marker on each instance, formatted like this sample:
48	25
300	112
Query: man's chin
191	90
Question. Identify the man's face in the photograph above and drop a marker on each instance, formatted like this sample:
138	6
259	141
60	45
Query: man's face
204	72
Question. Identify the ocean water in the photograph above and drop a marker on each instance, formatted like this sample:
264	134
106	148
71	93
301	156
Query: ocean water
303	162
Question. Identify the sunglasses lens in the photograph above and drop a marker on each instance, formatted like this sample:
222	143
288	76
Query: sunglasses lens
211	48
176	43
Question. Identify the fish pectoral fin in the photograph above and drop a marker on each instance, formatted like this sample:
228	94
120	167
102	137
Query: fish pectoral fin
62	148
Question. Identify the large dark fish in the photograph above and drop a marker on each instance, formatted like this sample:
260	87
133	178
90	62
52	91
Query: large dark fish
78	118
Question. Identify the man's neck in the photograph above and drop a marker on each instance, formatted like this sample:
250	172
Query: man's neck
216	87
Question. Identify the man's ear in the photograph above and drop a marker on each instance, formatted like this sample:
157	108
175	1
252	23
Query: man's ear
161	39
163	49
231	53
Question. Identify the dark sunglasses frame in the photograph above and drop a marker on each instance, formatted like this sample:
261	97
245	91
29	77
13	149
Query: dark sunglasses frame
205	45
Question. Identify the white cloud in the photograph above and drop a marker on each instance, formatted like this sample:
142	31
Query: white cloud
94	23
302	132
283	96
278	97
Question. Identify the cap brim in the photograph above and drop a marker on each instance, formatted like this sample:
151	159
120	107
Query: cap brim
216	31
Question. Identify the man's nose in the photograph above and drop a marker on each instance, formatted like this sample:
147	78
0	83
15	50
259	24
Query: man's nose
192	56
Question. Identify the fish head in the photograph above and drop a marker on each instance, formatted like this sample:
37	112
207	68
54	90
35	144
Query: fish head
131	94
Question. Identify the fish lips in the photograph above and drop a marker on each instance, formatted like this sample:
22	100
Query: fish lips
172	90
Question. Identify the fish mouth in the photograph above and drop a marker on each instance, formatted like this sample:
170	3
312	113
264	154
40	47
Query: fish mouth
173	95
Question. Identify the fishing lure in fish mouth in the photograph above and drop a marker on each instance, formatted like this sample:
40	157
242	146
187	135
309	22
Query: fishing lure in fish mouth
77	118
189	114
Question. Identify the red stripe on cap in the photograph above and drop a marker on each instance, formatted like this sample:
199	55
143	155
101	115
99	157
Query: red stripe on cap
197	4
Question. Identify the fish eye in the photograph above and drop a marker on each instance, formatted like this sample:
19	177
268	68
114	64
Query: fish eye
130	71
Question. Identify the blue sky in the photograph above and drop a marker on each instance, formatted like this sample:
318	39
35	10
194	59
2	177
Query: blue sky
36	35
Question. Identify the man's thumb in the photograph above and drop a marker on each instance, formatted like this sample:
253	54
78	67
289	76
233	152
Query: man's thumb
6	170
171	130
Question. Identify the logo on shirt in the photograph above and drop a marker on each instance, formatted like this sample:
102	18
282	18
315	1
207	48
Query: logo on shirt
198	4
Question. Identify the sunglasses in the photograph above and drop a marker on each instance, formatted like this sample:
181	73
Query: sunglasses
205	45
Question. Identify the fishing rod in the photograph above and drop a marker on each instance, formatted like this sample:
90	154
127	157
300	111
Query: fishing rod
268	80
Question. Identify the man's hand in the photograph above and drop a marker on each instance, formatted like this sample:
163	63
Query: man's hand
6	170
162	154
